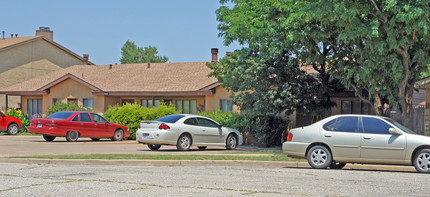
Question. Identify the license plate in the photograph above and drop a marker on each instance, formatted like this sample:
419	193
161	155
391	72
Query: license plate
145	135
39	125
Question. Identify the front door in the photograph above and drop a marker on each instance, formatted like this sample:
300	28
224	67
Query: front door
380	145
343	136
212	133
101	128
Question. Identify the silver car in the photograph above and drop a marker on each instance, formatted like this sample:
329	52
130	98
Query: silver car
185	130
341	139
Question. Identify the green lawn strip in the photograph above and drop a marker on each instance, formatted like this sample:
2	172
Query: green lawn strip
163	157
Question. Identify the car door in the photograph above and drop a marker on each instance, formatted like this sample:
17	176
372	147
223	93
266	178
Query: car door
378	144
343	136
192	126
212	133
101	128
86	125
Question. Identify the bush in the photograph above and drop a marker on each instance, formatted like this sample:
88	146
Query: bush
226	119
18	114
60	106
130	115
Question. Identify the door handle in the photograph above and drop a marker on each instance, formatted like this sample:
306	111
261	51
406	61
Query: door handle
367	138
203	130
327	135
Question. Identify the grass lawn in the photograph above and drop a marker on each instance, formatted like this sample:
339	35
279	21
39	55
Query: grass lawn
272	157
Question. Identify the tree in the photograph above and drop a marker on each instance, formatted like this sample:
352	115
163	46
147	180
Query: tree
134	54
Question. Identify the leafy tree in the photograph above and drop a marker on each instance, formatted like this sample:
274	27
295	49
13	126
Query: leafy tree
60	106
134	54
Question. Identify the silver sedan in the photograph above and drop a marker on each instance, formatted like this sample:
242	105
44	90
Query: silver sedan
341	139
185	130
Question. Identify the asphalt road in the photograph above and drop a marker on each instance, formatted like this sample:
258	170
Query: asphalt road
75	180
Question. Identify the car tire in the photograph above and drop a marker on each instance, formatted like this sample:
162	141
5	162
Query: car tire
335	165
48	138
118	135
231	142
184	142
422	161
319	157
12	129
202	147
154	146
95	139
72	136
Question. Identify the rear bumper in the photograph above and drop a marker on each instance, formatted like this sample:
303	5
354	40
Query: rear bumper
297	149
54	131
161	137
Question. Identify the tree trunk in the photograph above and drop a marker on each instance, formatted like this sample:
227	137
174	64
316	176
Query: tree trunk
377	105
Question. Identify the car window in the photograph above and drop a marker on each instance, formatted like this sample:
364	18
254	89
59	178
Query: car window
191	121
206	123
85	117
76	118
375	126
98	119
170	118
400	126
343	124
61	115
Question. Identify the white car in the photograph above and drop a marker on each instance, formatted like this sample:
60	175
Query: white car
185	130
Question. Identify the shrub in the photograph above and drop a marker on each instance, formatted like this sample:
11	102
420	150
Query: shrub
226	119
60	106
130	115
18	114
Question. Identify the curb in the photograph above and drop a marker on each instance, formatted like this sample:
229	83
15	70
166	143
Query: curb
272	164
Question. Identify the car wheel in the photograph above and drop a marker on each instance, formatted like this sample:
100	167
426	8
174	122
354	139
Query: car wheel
184	142
12	129
154	146
336	165
48	138
95	139
118	135
319	157
422	161
231	142
72	136
202	147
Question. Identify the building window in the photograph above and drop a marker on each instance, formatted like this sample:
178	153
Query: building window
187	106
124	101
72	100
88	103
54	100
149	103
34	108
355	107
226	105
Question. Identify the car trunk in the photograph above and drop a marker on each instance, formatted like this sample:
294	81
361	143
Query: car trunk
150	125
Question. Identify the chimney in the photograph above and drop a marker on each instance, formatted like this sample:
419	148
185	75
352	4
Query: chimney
16	35
45	32
228	53
110	66
3	34
85	59
11	35
214	52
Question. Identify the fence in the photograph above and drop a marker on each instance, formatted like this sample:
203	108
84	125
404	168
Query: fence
417	119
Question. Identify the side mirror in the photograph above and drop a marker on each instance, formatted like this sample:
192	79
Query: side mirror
394	131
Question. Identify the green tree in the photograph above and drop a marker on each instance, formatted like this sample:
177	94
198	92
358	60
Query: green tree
134	54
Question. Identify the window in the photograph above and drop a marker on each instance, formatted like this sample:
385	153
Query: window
355	107
98	119
76	118
72	100
170	118
150	103
207	123
85	117
124	101
342	124
34	107
191	121
375	126
61	115
88	103
54	100
226	105
187	106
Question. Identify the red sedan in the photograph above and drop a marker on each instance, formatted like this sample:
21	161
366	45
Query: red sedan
75	124
9	124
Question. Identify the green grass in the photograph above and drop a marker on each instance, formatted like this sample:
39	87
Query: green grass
165	157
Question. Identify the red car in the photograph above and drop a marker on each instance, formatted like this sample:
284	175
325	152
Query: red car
9	124
75	124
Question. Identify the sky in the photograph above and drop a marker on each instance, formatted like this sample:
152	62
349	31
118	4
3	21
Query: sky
182	30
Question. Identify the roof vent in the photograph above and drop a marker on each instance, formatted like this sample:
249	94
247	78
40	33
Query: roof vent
149	65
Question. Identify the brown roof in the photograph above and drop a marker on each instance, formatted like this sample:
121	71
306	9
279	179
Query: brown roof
188	78
8	43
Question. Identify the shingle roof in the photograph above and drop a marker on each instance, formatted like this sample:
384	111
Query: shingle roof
8	43
154	77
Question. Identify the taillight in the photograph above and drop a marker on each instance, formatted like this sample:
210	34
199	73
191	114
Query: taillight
163	126
290	137
139	125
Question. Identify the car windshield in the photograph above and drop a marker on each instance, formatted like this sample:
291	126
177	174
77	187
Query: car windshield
170	118
61	115
403	128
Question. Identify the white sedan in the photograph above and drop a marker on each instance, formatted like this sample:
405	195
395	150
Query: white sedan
185	130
